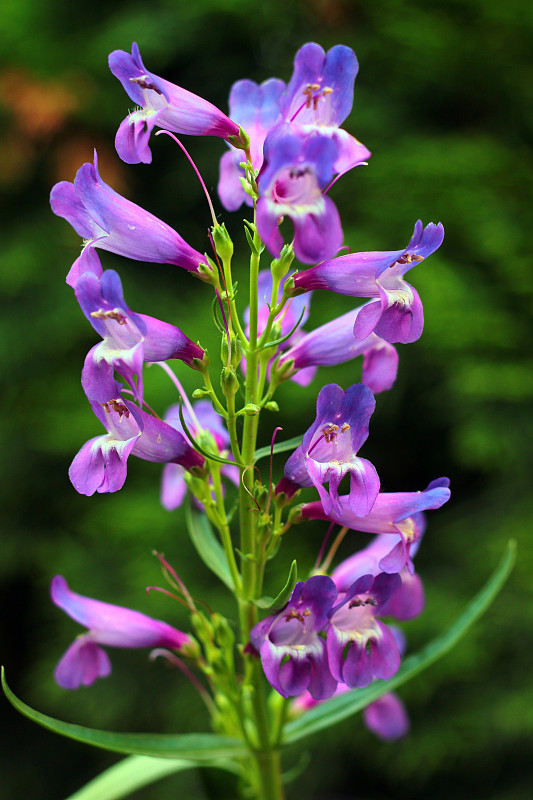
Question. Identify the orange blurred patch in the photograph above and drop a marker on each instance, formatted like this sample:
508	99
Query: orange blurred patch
39	108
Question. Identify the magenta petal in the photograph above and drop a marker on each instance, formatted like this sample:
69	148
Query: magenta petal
401	323
82	664
380	367
364	487
132	139
88	261
267	226
385	656
367	319
173	486
230	190
318	236
387	718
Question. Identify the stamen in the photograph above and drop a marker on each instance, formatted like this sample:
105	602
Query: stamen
407	258
297	615
143	83
345	427
115	314
116	405
358	602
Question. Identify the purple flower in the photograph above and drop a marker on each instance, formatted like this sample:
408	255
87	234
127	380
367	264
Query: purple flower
387	718
406	603
334	343
101	464
205	421
392	513
296	170
105	219
360	647
85	661
129	339
293	654
397	314
163	104
320	97
329	447
256	109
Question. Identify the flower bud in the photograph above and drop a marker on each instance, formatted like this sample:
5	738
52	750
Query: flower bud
271	405
251	410
280	266
223	243
229	381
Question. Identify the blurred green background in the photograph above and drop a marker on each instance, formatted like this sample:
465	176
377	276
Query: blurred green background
444	101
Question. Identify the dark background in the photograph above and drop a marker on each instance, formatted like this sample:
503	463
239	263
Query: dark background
444	101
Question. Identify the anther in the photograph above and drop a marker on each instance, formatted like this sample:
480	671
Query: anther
407	258
143	83
116	405
114	314
358	602
345	427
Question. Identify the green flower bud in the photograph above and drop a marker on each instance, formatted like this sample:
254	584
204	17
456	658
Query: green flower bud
222	240
251	410
229	381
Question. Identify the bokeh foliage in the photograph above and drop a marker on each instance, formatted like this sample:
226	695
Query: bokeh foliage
444	102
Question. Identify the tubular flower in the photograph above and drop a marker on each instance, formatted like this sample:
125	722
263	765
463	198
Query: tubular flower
408	601
163	104
256	108
397	315
106	220
296	170
328	451
85	661
101	464
392	513
293	654
129	339
205	421
360	647
334	343
320	97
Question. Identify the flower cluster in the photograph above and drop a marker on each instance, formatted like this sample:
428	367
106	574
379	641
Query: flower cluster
286	148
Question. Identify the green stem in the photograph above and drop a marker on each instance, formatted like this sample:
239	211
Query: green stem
223	527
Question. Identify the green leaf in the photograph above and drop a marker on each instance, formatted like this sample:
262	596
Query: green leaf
199	747
339	708
279	447
281	600
134	772
190	437
287	336
207	545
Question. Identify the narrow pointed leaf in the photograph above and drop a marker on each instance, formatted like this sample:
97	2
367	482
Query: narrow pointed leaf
199	747
279	447
283	597
134	772
342	706
190	437
207	545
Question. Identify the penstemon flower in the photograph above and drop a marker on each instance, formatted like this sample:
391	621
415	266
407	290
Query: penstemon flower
163	104
129	339
325	630
110	625
108	221
397	315
329	450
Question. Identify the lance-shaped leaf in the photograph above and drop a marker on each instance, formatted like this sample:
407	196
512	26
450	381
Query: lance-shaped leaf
207	545
134	772
279	447
198	747
283	597
343	706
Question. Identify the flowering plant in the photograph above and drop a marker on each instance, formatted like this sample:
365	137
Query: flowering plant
321	647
